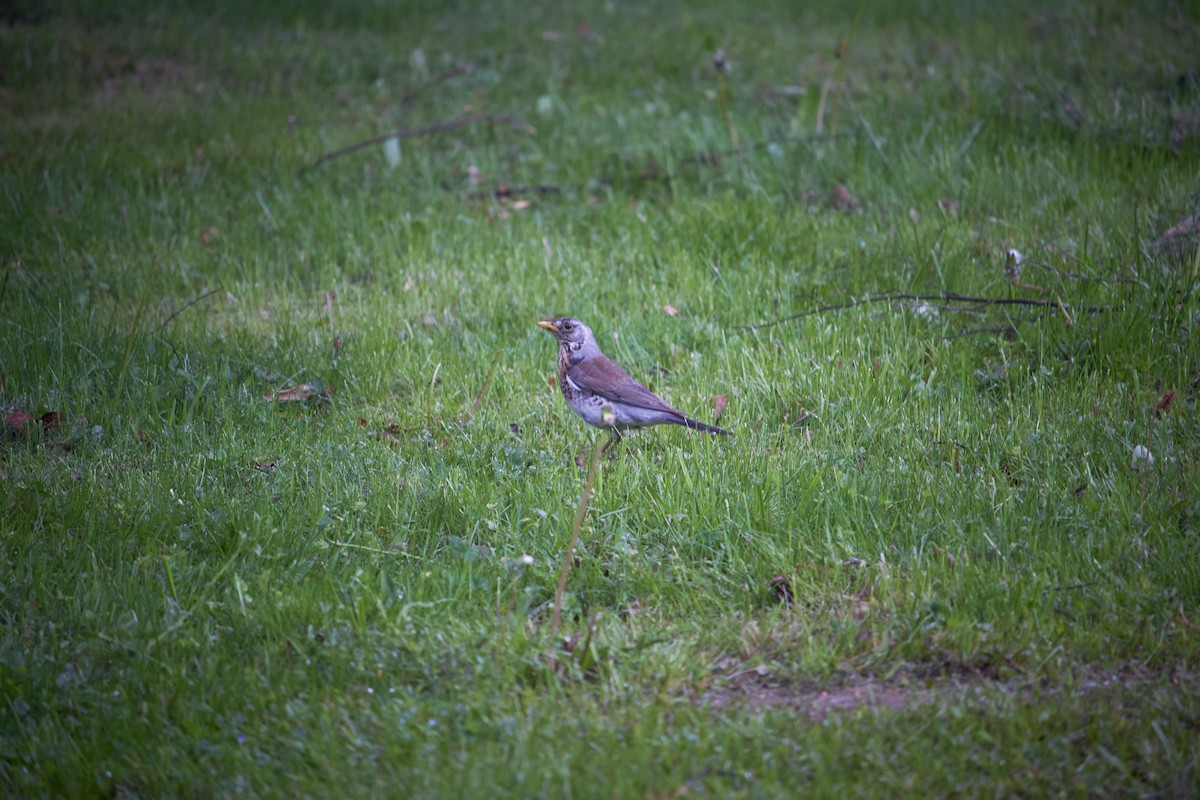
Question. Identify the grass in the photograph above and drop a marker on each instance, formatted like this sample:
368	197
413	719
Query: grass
931	515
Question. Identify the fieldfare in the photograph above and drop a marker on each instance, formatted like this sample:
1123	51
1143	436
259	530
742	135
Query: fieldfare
591	382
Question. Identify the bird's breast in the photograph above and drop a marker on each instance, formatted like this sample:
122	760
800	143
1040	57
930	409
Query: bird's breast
566	360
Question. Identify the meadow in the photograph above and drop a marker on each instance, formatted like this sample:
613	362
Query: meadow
286	483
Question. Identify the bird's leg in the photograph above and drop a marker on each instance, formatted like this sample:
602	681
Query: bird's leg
609	420
614	440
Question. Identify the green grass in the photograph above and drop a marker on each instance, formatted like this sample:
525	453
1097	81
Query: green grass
206	593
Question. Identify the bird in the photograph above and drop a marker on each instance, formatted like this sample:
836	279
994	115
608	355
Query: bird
592	383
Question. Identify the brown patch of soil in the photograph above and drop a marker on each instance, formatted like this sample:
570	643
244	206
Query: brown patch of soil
756	690
757	693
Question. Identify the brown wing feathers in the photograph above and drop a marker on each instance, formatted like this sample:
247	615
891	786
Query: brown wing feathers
602	376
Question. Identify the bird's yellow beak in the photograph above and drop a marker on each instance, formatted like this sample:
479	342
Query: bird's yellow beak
550	326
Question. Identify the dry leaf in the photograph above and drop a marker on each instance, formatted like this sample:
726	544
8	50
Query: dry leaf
50	420
521	205
842	199
16	420
945	555
1163	406
389	434
210	235
719	404
1181	228
291	395
781	587
670	311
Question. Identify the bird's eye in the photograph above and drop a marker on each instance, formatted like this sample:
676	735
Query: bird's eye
568	326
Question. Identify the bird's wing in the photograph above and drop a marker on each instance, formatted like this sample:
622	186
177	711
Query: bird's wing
603	377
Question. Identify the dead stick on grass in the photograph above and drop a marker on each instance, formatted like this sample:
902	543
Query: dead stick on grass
413	133
580	513
461	68
902	297
504	192
171	317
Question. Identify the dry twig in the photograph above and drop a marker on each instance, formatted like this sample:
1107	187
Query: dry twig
461	68
413	133
171	317
942	300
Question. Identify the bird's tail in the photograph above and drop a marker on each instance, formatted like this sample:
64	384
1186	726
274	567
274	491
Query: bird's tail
700	426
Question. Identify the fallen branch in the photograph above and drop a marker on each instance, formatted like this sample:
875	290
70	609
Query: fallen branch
171	317
502	192
935	299
413	133
461	68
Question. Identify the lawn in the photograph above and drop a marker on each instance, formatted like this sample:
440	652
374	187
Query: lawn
287	484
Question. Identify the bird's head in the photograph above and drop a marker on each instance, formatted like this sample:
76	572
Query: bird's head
570	332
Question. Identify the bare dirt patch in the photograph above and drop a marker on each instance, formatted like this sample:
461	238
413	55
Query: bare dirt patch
757	690
754	692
